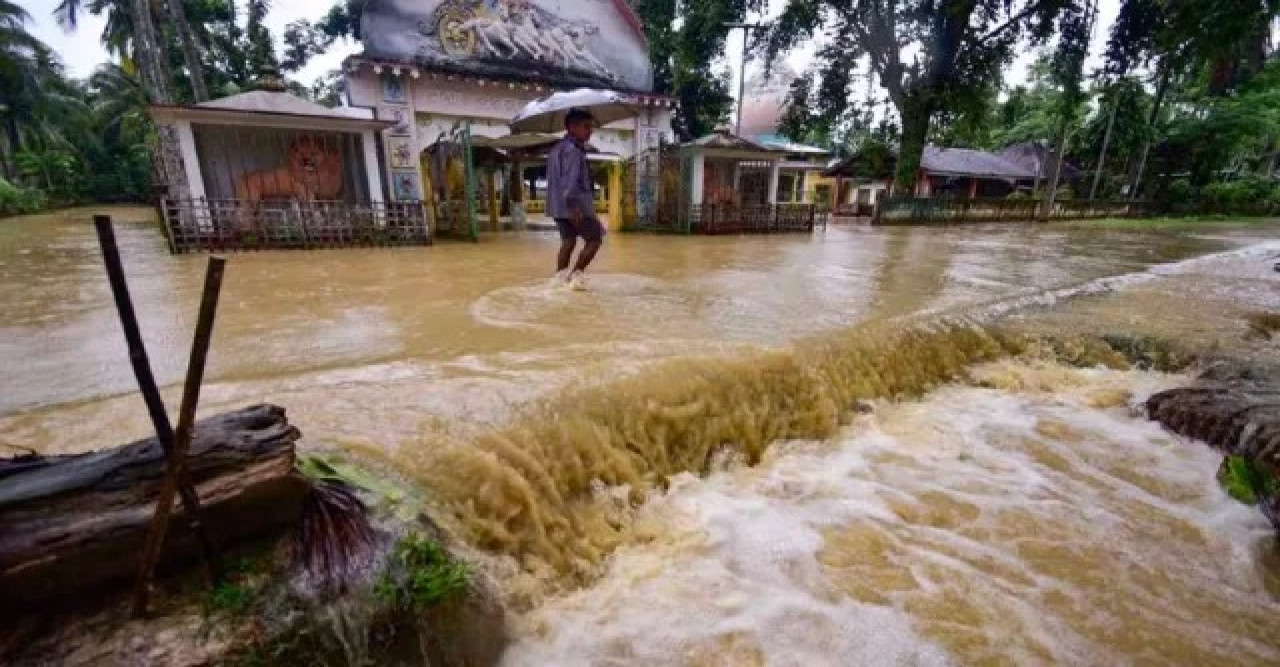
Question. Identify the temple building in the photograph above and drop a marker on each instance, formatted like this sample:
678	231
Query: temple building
438	69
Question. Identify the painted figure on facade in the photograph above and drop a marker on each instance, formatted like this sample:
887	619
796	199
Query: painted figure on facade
314	172
515	30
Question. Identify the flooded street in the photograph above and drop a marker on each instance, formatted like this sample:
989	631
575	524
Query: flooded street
370	346
1020	513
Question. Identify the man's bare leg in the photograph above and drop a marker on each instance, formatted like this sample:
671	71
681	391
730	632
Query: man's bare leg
566	254
589	251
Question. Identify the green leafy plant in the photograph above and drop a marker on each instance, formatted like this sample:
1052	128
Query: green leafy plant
16	200
421	575
1244	481
235	597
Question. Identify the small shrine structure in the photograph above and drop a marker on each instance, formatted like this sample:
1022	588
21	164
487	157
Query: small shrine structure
267	169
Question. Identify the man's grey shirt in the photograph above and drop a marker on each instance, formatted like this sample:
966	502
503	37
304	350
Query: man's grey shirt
569	186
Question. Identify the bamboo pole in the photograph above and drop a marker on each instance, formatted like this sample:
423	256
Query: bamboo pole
182	438
147	383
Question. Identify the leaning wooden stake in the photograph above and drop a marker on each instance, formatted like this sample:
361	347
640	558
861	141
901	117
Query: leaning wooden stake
147	384
182	438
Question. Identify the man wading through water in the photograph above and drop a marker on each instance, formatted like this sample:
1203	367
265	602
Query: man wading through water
571	198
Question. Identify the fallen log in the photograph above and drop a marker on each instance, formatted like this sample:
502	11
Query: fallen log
72	525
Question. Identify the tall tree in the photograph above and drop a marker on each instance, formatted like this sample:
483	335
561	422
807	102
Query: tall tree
1228	40
1075	32
686	42
35	99
190	49
148	53
929	55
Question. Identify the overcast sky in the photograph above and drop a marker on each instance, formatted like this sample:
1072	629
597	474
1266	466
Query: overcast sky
81	51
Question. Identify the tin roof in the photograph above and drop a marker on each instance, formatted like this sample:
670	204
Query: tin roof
970	162
950	162
273	108
268	101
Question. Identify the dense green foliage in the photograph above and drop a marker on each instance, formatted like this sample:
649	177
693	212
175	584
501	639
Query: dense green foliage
1183	112
929	56
67	141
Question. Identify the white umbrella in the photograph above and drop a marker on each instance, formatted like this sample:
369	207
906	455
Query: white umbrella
547	115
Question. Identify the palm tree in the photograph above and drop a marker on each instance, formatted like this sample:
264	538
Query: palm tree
117	35
148	53
21	58
120	104
131	31
190	50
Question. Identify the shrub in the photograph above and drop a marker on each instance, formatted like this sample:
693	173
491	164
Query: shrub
422	574
1181	197
16	200
1247	196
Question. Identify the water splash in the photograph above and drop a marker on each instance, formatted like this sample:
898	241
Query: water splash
557	489
1019	524
537	489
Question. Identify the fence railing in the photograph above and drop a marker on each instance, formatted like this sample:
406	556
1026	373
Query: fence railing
755	218
915	211
219	225
731	219
856	210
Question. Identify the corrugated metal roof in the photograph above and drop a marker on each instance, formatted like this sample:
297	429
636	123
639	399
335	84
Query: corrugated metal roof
781	143
724	140
969	162
1035	157
267	101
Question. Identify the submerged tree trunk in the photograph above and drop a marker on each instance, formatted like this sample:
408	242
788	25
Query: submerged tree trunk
72	525
190	50
916	115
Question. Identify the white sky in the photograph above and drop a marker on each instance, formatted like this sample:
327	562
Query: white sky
81	51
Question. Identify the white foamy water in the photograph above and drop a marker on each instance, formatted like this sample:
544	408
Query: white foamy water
1037	523
1256	260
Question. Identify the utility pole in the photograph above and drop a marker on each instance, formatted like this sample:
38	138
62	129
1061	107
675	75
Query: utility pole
742	67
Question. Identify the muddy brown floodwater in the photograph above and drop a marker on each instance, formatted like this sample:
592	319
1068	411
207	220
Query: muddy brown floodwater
1034	519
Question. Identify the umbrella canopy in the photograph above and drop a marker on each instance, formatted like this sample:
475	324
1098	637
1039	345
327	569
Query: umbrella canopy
547	115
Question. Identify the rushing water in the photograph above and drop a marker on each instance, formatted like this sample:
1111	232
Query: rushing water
1022	514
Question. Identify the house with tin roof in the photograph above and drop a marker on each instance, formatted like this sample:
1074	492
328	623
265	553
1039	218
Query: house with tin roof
866	176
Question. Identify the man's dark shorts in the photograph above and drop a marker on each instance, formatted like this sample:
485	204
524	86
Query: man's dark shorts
589	229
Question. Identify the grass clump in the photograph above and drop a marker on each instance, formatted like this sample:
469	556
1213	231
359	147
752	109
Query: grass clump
241	588
232	597
421	575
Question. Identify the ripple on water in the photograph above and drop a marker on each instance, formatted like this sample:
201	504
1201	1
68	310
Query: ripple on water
611	301
979	526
